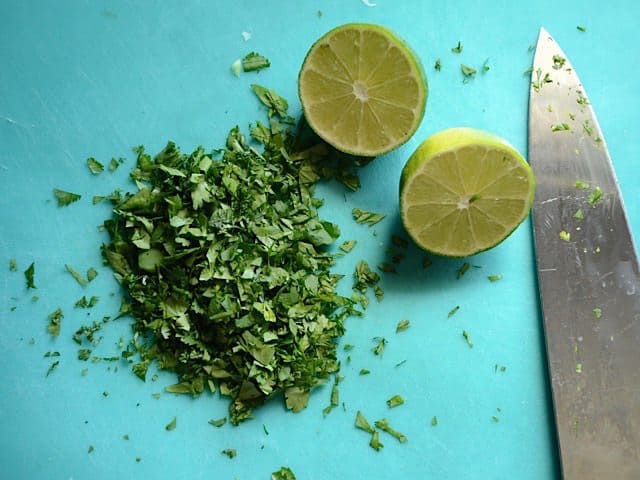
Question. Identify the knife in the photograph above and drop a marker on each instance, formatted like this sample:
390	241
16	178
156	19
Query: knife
588	277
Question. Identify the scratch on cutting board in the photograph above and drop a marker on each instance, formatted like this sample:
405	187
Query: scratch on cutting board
548	201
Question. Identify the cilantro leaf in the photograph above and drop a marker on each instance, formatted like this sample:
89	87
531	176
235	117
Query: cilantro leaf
171	425
385	427
55	320
362	423
76	275
29	274
402	326
13	265
65	198
254	62
368	218
395	401
95	166
285	473
457	48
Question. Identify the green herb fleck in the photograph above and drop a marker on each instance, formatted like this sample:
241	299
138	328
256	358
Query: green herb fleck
254	62
229	452
495	419
581	28
434	421
597	312
335	395
467	72
595	197
494	277
13	265
560	127
485	66
581	99
378	292
125	436
578	368
55	320
540	80
502	368
92	273
385	427
453	311
78	277
395	401
94	166
468	339
52	367
402	325
462	270
138	459
105	394
91	449
84	354
565	236
65	198
380	344
558	62
457	48
285	473
364	371
579	215
437	65
375	441
582	185
51	354
348	245
171	425
368	218
115	163
29	274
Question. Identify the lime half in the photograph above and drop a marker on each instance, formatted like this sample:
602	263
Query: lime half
362	89
464	191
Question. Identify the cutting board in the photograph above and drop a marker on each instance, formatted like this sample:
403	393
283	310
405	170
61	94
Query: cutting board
81	79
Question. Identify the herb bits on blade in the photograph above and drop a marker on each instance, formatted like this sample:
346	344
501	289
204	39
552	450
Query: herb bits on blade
222	256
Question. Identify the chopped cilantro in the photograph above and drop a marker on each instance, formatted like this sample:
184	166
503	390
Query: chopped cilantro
582	185
494	277
385	427
115	163
65	198
434	421
485	66
467	72
13	265
395	401
348	245
84	354
29	275
560	127
78	277
55	320
453	311
375	441
95	166
335	395
92	273
579	215
91	449
595	197
558	62
467	338
368	218
378	292
597	312
437	65
364	371
229	452
565	236
52	367
462	270
171	425
254	62
457	48
495	419
362	423
581	28
285	473
402	325
578	368
379	347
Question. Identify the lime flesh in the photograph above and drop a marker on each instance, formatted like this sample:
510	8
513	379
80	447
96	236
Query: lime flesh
464	191
362	89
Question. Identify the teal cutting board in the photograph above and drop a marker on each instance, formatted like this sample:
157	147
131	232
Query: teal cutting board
96	78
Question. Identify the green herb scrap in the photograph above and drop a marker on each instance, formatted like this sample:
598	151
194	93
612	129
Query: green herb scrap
55	320
92	273
95	166
437	65
65	198
368	218
52	367
467	338
254	62
385	427
348	245
395	401
595	197
565	236
379	347
494	277
229	452
285	473
402	325
467	72
457	48
335	395
171	425
560	127
375	441
76	275
453	311
29	274
13	265
581	28
224	258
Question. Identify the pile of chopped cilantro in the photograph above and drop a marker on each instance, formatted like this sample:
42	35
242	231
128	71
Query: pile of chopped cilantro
223	257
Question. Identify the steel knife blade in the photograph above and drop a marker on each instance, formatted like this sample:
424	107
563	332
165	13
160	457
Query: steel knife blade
588	277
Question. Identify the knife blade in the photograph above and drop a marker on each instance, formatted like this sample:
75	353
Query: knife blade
588	277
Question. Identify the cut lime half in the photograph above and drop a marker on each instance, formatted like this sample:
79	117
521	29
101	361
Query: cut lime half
362	89
464	191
